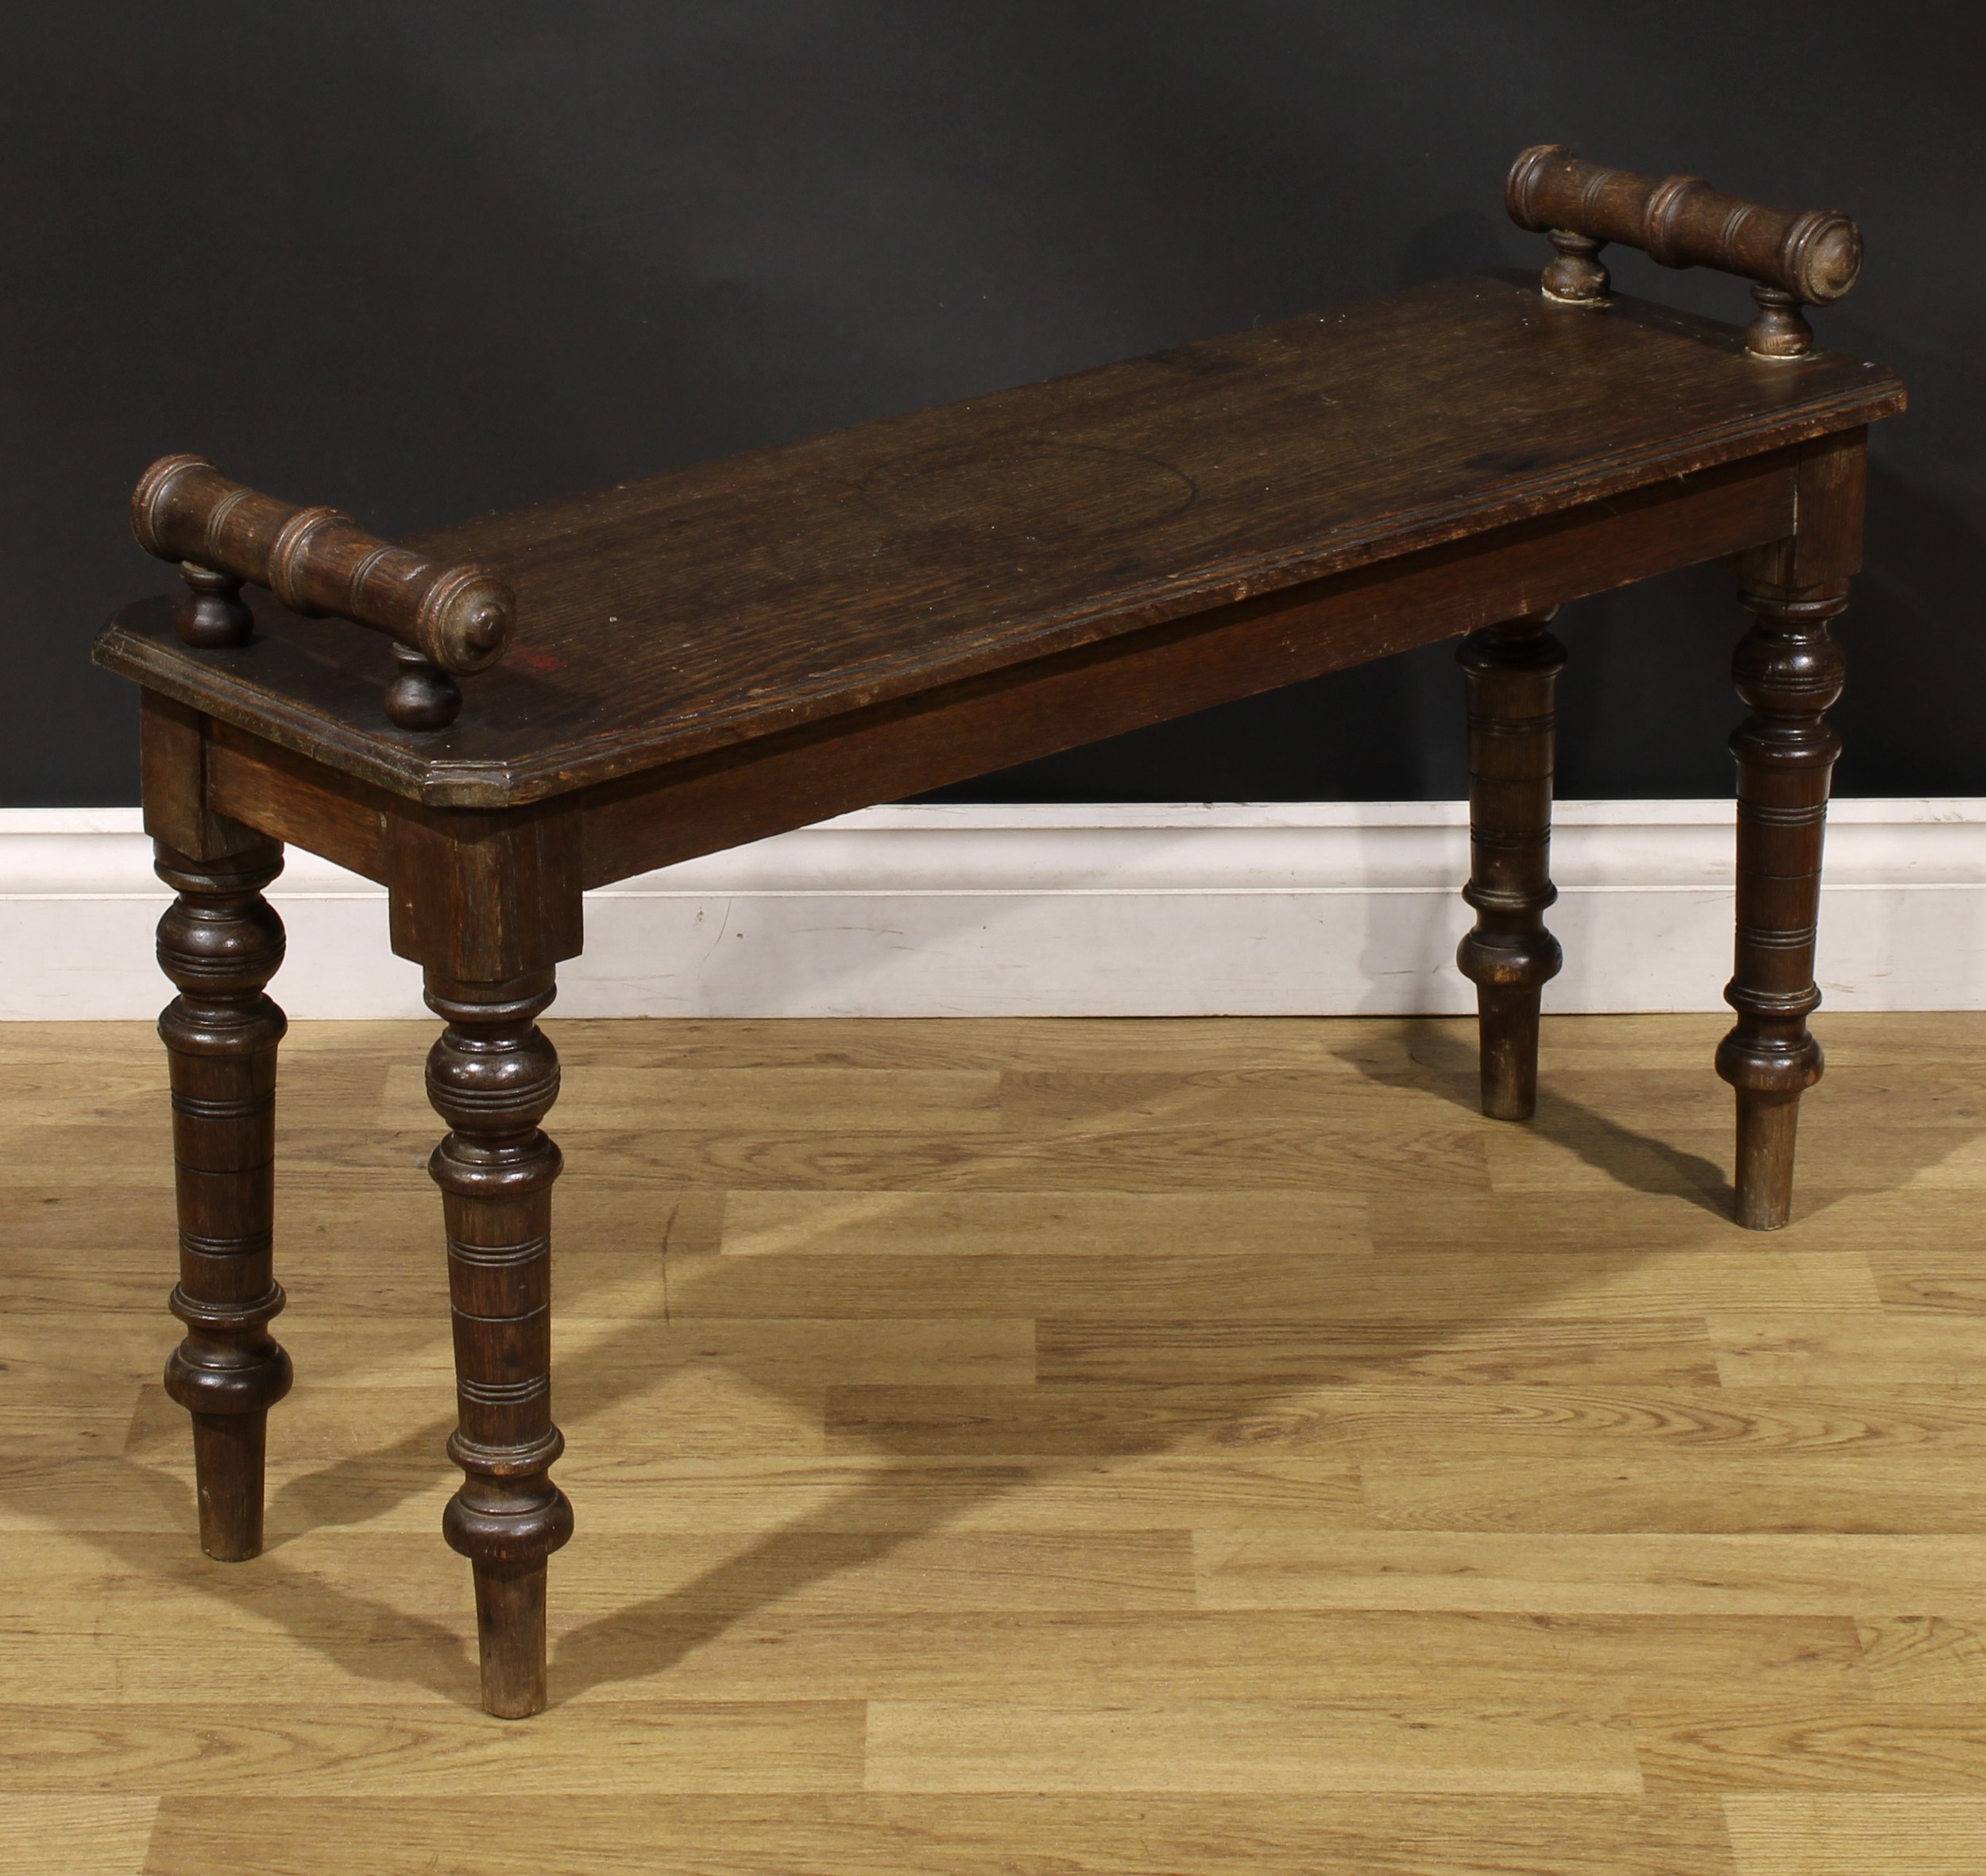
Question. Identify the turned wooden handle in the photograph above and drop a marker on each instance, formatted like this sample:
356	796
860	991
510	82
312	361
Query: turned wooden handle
1682	222
317	561
1808	258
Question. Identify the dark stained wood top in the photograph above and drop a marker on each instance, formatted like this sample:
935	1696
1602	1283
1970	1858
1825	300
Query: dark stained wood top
733	600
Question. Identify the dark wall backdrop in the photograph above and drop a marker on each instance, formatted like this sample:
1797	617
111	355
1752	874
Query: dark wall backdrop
421	261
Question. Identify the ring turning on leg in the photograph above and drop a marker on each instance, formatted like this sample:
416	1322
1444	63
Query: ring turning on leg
1789	673
220	942
1511	672
493	1076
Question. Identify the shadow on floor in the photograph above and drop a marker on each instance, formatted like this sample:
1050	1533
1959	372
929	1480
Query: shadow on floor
1444	1057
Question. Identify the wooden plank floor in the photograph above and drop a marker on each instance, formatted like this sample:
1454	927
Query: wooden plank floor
1071	1447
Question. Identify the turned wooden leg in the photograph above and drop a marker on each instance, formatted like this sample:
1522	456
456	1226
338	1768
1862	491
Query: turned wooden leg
1789	673
494	1076
220	943
1511	672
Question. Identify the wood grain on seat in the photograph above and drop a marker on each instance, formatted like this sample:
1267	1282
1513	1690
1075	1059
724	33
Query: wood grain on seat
738	599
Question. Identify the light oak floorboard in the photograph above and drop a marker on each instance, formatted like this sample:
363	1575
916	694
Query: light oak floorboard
78	1834
1866	1834
1567	1574
836	1833
1248	1745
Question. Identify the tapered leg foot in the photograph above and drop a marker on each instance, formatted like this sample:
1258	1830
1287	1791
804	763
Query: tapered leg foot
1512	674
228	1453
510	1629
1766	1126
220	942
1507	1032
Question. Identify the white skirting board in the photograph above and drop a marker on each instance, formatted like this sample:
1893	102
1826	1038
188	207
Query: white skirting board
1213	909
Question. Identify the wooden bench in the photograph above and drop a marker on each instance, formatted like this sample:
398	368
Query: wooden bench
671	666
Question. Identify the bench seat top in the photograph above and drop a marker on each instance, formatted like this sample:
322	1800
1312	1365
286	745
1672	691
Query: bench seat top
664	619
